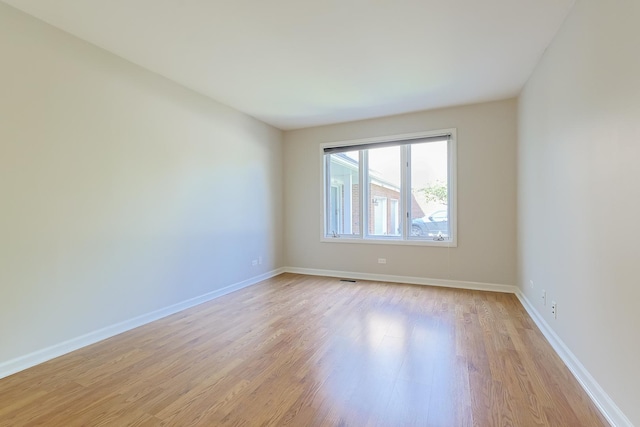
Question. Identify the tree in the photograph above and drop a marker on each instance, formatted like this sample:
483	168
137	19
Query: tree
435	192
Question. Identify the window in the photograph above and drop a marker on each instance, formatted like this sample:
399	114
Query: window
398	189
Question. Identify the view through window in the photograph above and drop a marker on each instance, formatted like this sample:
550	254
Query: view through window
399	190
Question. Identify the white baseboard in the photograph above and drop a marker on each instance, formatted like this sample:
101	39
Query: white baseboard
27	361
478	286
600	398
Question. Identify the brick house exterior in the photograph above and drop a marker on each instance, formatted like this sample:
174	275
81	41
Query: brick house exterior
378	191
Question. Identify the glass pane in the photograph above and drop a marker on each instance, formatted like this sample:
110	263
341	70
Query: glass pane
343	197
429	195
384	191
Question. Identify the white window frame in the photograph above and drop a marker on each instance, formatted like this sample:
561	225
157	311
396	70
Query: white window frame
405	239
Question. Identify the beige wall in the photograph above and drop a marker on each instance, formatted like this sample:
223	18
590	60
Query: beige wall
486	198
579	192
122	192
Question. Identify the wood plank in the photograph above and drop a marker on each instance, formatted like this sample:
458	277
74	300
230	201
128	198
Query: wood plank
298	350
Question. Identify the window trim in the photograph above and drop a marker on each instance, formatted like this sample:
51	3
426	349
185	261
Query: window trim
362	237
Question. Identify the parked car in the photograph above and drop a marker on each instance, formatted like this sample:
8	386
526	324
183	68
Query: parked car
431	225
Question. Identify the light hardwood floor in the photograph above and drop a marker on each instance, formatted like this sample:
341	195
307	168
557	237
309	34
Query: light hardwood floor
309	351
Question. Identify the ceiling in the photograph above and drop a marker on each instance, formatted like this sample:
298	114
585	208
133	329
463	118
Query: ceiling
297	63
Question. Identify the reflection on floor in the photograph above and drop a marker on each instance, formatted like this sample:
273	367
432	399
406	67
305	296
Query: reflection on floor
301	351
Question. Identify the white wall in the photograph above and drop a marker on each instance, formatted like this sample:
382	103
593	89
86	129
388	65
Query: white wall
486	181
579	197
122	192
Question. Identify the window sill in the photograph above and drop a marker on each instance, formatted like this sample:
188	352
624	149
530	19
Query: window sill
391	241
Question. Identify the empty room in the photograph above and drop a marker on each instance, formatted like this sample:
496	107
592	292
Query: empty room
344	213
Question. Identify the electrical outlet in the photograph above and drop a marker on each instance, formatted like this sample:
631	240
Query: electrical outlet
544	297
382	260
554	309
531	283
260	260
254	262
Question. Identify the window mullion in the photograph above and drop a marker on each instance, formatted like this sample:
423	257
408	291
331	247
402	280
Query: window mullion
364	186
405	191
327	192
